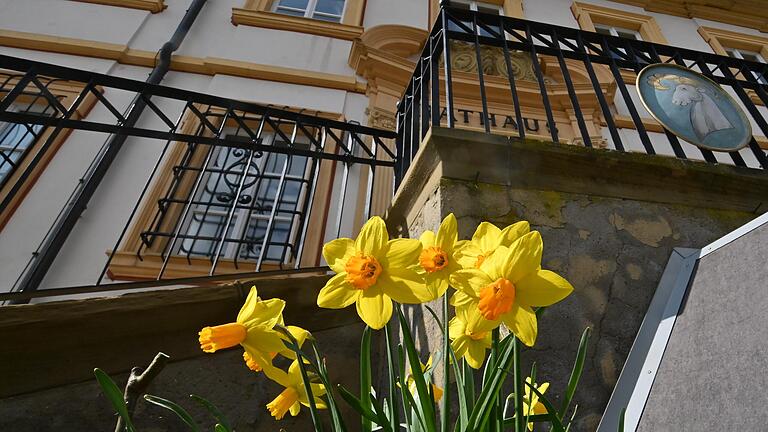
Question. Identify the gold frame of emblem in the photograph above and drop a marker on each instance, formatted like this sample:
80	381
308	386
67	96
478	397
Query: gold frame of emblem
743	116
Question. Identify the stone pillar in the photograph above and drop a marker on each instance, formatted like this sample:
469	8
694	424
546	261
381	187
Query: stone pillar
609	221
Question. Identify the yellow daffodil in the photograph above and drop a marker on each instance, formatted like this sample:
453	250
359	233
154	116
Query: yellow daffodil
253	329
508	284
469	339
297	332
295	394
437	260
371	272
531	403
486	239
437	392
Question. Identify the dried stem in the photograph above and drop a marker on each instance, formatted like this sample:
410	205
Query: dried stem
137	384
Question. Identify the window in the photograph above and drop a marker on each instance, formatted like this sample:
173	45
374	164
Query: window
740	46
752	56
476	6
237	207
16	140
340	19
25	149
326	10
618	32
616	22
249	217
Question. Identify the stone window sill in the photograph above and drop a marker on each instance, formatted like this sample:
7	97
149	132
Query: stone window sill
279	21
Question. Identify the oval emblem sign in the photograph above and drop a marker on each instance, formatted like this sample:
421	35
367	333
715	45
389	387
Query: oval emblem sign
693	107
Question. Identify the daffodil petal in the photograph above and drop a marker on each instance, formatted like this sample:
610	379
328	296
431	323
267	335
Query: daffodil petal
277	375
455	328
404	286
513	232
427	239
374	308
460	345
436	284
263	339
524	257
466	254
521	320
493	265
475	322
295	408
542	288
249	307
265	312
459	299
337	293
373	237
402	252
475	354
447	234
486	236
337	252
470	281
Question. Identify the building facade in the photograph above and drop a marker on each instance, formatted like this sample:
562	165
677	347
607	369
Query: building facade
281	124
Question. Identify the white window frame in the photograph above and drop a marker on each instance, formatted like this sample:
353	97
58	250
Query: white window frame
310	12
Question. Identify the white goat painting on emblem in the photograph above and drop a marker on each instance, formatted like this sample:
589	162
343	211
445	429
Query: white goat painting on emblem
706	117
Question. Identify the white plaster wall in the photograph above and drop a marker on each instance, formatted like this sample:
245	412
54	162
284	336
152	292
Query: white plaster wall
414	13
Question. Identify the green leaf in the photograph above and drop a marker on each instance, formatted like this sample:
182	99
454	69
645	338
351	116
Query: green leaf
214	410
578	367
426	403
621	420
115	397
486	400
220	428
394	416
176	408
535	418
557	426
380	414
322	371
365	376
356	404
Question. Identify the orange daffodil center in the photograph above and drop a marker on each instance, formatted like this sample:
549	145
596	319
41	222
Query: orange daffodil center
221	336
433	259
283	402
362	271
496	299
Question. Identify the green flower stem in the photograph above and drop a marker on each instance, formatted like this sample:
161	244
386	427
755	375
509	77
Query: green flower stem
497	415
444	415
394	417
519	420
304	378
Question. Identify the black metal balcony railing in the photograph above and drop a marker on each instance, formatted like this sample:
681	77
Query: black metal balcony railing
233	182
492	43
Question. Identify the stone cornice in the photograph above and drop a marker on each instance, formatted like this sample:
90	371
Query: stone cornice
744	13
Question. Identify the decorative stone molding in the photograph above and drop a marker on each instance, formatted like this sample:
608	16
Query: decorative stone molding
153	6
464	59
380	118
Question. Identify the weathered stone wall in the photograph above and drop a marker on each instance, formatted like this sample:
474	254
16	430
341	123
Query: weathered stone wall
613	251
607	228
222	378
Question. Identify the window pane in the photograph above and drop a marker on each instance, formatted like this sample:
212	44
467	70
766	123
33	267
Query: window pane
293	4
331	18
603	30
754	57
628	34
333	7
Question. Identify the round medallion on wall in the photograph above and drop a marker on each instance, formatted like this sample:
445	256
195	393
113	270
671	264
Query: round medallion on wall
693	107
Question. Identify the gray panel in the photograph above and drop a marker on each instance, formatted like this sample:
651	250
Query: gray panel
713	373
